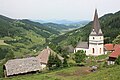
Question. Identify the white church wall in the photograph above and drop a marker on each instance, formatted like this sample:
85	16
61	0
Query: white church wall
77	49
96	46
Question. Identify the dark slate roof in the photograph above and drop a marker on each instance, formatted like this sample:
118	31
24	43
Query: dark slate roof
82	45
96	29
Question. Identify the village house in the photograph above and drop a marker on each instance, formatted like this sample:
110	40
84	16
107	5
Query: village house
29	65
44	55
108	48
95	45
114	55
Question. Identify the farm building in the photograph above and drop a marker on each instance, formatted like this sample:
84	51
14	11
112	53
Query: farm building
21	66
44	55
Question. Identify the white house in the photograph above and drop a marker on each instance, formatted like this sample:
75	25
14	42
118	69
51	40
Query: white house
95	45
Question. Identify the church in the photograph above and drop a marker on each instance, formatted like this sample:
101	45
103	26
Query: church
95	45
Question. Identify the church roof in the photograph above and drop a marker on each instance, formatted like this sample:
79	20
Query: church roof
96	29
82	45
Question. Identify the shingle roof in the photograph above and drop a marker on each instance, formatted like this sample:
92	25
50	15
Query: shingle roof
44	55
109	47
96	29
82	45
20	66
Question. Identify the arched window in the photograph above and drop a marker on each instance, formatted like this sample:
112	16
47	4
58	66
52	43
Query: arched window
93	37
100	50
93	50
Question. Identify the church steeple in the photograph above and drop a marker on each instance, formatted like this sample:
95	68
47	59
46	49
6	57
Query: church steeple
96	29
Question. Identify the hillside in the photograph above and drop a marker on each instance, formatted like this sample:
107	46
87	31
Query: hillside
73	73
110	24
23	37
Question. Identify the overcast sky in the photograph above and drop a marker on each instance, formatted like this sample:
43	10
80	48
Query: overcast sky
57	9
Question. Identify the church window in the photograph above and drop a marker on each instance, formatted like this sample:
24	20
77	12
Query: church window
100	50
100	37
93	38
93	50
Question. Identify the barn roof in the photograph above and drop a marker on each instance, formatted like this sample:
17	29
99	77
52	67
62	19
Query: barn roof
20	66
82	45
44	55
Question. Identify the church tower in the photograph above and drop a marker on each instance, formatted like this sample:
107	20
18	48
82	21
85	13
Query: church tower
96	39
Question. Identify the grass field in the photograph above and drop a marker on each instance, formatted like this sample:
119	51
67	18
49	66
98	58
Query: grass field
73	73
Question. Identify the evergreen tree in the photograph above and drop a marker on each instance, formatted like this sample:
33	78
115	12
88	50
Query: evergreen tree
51	61
65	64
58	62
80	56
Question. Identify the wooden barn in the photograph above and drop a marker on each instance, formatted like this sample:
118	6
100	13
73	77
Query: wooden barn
21	66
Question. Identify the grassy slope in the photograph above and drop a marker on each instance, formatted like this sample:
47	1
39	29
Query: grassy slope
73	73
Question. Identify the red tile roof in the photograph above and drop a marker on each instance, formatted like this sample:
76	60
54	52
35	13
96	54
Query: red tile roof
116	53
109	47
116	46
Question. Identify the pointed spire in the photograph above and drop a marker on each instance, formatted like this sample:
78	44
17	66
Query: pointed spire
96	25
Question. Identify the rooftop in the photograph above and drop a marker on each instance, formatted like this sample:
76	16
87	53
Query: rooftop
82	45
19	66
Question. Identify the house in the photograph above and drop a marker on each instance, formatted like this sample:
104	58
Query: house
108	48
21	66
44	56
95	45
114	55
29	65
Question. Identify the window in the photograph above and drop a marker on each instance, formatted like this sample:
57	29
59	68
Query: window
93	50
100	37
100	50
93	38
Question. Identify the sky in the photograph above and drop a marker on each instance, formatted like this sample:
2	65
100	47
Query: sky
57	9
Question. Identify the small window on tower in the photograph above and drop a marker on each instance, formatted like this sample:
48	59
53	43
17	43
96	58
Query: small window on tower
93	50
93	38
100	50
100	37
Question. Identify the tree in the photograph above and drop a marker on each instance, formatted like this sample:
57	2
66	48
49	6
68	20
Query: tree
65	64
80	56
117	61
117	40
10	55
51	61
58	62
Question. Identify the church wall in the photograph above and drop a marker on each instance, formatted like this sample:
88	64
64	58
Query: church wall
84	49
96	43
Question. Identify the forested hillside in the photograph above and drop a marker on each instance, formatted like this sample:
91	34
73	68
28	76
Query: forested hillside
23	37
110	24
